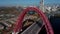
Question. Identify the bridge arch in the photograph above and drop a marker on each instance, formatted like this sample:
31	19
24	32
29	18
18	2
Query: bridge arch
40	13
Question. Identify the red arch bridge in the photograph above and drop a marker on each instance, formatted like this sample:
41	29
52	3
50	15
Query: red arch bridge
19	23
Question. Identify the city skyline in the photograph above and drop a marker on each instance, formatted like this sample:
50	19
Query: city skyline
26	2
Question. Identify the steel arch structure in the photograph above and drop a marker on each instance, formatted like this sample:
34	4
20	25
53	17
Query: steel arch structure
40	13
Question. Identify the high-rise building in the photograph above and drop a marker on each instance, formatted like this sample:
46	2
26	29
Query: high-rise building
42	5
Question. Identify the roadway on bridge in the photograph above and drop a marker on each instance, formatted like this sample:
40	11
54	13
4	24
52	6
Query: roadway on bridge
33	29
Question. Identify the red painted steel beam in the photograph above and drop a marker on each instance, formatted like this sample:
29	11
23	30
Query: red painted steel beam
40	13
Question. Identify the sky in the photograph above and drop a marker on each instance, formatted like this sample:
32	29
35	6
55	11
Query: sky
26	2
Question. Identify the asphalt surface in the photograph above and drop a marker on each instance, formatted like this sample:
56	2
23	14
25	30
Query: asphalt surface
33	29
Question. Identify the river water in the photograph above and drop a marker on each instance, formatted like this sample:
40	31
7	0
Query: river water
55	22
